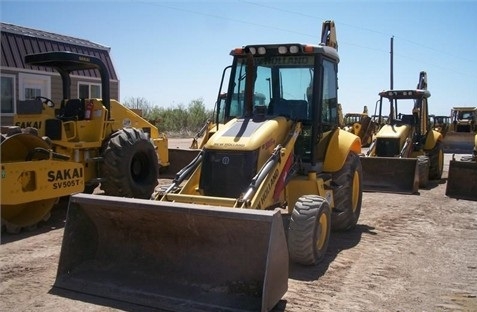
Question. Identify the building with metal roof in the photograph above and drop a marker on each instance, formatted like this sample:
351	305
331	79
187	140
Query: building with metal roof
21	81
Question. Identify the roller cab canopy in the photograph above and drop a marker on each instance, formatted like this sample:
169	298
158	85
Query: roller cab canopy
67	62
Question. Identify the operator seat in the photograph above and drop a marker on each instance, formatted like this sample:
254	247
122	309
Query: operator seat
406	120
72	109
293	109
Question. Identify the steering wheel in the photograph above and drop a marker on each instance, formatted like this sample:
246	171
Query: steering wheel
46	101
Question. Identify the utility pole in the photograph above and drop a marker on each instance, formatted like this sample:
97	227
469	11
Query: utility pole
391	61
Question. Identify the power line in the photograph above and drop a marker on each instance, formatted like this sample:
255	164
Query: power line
229	19
440	51
309	16
356	27
287	30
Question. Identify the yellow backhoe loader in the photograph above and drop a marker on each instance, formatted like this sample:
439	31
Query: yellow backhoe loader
440	124
102	141
460	137
406	152
361	125
462	178
267	186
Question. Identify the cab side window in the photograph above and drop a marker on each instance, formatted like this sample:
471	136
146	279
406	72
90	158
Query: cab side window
329	112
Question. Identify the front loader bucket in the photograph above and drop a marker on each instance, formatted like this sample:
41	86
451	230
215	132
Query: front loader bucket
390	175
178	257
458	142
178	159
462	180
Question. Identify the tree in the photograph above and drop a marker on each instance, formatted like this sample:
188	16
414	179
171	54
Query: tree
197	114
177	120
138	103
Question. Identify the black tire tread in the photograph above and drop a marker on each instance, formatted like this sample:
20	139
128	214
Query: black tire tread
343	217
423	170
118	152
302	227
435	171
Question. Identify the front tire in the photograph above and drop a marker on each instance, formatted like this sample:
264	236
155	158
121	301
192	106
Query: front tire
131	166
349	195
309	230
436	162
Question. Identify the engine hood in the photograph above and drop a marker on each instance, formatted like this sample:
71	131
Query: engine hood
249	134
394	132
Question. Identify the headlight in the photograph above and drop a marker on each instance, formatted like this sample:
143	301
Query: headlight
294	49
282	49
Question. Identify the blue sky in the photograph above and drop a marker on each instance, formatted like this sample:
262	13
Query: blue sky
173	52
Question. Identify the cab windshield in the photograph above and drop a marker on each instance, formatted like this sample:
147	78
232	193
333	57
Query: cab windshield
282	85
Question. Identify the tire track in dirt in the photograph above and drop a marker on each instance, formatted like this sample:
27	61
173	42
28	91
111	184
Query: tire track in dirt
416	255
407	253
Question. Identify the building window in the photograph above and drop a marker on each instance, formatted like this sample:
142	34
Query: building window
31	93
89	90
8	94
31	86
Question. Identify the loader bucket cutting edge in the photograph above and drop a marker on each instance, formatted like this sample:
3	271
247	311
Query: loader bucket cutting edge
462	180
390	175
173	256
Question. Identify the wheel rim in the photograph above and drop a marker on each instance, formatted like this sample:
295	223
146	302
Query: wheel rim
355	191
321	230
139	167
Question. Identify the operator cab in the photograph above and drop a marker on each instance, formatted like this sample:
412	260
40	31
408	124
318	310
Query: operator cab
295	81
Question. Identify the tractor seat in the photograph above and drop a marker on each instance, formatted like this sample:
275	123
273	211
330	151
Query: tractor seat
293	109
72	110
405	120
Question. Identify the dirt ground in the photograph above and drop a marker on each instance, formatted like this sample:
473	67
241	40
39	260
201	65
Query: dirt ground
407	253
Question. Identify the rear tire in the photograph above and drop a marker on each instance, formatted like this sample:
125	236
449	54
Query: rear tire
348	197
436	162
309	230
131	166
423	170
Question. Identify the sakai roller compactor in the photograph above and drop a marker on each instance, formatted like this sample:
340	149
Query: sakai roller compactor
75	147
267	186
